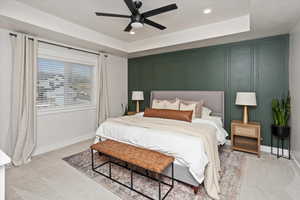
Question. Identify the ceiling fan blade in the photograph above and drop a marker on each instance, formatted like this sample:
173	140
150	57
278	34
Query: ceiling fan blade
160	10
156	25
111	15
128	28
131	6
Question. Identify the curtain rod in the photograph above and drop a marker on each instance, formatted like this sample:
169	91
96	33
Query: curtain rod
59	45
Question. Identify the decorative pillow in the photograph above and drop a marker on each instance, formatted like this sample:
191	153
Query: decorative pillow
169	114
191	106
199	105
158	104
172	105
206	112
166	104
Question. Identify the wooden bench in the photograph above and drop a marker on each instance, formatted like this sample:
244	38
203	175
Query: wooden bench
148	160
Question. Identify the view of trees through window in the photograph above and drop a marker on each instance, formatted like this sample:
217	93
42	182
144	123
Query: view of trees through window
61	84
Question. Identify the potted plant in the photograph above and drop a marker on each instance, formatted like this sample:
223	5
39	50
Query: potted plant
281	109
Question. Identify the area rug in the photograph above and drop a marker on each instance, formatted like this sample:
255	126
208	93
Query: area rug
232	165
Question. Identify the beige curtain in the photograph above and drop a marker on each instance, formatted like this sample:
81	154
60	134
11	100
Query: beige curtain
23	113
102	94
5	83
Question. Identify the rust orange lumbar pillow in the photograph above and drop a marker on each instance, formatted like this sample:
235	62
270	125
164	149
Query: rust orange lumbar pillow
169	114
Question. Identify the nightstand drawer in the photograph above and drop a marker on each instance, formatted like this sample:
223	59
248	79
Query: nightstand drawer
246	131
245	137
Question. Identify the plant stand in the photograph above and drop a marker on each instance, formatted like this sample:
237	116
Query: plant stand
280	140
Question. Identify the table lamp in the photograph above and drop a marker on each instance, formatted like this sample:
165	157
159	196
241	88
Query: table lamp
245	99
137	96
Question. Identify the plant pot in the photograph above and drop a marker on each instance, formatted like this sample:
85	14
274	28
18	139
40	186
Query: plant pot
280	131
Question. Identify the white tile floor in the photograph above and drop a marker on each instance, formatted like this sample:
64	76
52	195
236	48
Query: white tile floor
48	177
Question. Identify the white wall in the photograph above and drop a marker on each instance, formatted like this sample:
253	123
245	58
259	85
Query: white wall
56	130
295	89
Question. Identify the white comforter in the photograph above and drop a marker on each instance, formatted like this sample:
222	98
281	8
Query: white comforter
187	150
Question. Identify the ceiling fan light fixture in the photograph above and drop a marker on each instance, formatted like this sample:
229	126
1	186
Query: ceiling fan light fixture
137	19
207	11
131	32
137	25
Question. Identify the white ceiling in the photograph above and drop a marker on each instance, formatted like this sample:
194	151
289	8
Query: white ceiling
267	17
73	22
188	15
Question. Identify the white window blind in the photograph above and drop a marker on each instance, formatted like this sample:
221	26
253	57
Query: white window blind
61	84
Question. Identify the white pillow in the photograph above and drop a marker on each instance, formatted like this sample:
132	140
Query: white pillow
166	104
199	105
206	112
172	105
158	104
191	106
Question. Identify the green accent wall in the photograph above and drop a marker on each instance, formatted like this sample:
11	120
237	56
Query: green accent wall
259	65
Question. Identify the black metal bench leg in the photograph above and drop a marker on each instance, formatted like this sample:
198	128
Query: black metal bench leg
109	169
92	153
159	189
131	178
172	175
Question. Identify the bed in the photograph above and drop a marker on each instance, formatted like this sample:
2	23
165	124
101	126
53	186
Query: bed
190	156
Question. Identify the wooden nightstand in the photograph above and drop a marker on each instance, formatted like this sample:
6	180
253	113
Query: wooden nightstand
131	113
245	137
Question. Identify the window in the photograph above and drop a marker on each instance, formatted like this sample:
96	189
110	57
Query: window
61	84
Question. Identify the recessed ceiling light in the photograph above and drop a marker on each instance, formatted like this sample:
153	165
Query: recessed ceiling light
207	11
131	32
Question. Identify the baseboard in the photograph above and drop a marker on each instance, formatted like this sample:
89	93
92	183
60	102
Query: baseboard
62	144
267	149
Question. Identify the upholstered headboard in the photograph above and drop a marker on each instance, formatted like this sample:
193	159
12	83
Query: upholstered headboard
214	100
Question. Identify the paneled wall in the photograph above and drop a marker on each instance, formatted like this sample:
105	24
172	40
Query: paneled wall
259	65
294	87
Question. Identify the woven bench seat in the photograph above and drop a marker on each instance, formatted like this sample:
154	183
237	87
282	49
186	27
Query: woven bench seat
144	158
147	159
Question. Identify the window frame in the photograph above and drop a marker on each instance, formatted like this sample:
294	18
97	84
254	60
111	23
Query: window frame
68	57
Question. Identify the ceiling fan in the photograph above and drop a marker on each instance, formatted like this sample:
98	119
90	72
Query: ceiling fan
137	19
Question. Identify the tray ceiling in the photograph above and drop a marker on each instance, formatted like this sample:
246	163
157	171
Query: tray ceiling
189	15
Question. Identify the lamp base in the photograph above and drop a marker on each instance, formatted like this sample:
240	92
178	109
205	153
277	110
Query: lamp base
245	117
137	107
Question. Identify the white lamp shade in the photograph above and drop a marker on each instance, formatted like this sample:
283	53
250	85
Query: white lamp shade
246	98
137	95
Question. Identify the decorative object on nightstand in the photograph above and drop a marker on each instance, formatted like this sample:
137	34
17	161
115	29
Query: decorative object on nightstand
281	110
124	108
137	96
245	137
245	99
